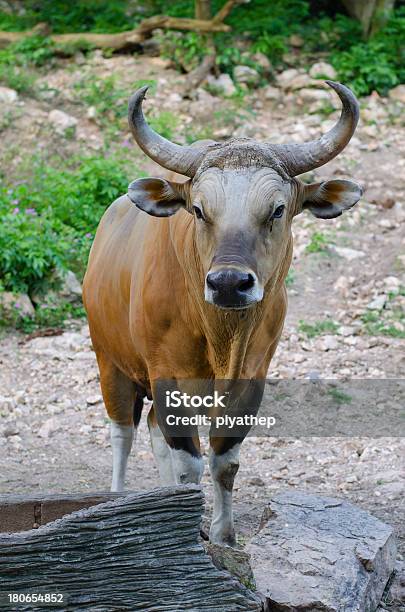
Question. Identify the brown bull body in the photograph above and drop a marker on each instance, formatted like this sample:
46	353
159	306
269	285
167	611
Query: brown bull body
200	294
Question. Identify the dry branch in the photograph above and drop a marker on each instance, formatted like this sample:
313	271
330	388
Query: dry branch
122	40
197	76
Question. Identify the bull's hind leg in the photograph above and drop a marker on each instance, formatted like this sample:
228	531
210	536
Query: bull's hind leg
161	451
124	403
179	460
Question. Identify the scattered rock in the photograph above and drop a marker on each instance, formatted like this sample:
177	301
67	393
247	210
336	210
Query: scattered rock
308	94
397	94
91	113
62	122
7	95
71	289
320	553
302	81
285	78
15	305
322	70
328	343
10	430
391	284
263	61
296	41
223	83
272	93
378	303
94	399
347	253
48	427
235	561
245	75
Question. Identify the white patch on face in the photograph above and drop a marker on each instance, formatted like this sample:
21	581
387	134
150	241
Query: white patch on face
187	468
121	441
222	530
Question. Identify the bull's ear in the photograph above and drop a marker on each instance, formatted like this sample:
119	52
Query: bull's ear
331	198
158	197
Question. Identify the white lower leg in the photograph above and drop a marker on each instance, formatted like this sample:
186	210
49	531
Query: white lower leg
121	442
163	456
187	468
223	470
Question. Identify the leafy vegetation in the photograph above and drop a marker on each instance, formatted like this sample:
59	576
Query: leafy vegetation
311	330
318	243
49	222
339	396
391	323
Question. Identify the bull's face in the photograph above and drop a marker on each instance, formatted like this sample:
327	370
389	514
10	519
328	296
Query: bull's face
243	198
242	225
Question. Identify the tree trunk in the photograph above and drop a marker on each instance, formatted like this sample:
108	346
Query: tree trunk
203	9
372	14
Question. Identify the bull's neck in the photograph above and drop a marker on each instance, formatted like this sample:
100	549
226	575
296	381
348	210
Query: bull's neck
227	332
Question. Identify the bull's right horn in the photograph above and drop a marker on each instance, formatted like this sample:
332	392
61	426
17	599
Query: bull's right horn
182	159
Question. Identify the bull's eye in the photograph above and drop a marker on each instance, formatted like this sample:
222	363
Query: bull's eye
278	212
198	212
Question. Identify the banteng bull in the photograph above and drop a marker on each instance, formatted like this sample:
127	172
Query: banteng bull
186	281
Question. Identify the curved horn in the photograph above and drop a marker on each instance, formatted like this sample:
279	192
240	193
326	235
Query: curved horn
182	159
300	158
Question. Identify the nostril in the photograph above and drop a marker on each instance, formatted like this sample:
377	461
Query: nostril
211	282
247	283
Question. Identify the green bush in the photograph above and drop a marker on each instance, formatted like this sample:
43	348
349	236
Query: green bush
77	16
49	221
377	64
17	60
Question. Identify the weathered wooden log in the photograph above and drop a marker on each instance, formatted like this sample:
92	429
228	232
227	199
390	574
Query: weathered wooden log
138	552
24	512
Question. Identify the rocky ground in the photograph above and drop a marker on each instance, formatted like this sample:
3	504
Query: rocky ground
346	290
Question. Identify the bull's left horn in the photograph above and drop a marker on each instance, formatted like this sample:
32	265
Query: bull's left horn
300	158
182	159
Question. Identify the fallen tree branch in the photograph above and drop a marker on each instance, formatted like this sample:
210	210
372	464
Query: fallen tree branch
197	76
121	40
226	10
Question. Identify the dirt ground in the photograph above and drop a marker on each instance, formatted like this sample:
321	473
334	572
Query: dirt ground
53	427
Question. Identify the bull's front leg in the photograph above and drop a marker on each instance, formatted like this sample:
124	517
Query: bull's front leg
224	464
244	397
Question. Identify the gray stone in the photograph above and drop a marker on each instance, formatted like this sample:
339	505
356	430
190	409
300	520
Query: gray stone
317	553
223	83
347	253
62	122
7	95
378	303
71	289
285	78
262	61
397	94
246	75
272	93
234	560
322	70
296	41
14	305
